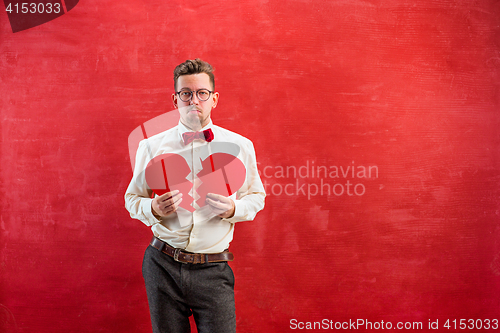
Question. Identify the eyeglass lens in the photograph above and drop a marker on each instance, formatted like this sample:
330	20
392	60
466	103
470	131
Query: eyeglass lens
202	94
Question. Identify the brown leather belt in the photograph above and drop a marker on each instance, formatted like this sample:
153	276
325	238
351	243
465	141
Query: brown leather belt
188	257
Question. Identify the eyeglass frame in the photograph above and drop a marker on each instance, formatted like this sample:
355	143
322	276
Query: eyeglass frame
194	91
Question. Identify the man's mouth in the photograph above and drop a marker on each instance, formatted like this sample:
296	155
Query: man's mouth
193	109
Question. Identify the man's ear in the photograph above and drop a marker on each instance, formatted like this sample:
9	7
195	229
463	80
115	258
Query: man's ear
215	98
174	101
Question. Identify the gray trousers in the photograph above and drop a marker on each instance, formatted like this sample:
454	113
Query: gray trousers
176	291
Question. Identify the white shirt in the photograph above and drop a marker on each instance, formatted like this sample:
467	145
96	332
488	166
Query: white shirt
200	231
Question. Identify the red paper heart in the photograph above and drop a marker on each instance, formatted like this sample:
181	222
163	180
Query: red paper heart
28	14
167	173
221	173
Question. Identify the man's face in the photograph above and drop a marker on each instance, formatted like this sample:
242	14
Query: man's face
195	113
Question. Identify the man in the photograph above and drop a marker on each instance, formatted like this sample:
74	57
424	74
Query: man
185	267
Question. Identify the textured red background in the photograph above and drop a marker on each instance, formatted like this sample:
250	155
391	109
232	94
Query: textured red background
410	87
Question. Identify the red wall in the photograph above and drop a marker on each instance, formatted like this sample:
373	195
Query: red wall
408	88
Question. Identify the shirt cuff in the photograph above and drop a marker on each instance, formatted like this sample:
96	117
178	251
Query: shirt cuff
148	213
239	212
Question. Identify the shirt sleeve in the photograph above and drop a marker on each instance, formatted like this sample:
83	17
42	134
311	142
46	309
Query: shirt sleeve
138	194
251	196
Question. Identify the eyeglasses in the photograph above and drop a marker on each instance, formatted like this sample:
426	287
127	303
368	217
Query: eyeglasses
202	94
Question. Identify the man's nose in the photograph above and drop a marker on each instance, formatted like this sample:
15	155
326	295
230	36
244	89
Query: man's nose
193	96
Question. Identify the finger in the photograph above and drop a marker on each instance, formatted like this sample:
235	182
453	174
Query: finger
218	205
172	208
170	201
221	202
212	203
216	197
177	203
174	202
169	195
174	199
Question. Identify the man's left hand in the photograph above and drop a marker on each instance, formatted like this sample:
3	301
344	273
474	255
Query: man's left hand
220	205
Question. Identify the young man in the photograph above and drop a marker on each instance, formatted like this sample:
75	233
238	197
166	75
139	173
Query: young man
185	267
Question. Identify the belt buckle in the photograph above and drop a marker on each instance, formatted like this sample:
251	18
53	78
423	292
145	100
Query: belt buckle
176	254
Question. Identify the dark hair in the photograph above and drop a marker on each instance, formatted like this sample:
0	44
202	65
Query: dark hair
195	66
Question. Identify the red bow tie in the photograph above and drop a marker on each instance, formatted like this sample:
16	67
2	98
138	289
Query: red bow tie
206	135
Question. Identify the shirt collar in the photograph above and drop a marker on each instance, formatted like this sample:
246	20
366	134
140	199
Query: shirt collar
183	129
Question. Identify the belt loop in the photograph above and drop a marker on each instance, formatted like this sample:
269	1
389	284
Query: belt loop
176	254
206	258
162	246
158	244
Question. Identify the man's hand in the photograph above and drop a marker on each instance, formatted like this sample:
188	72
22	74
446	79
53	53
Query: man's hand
166	204
220	205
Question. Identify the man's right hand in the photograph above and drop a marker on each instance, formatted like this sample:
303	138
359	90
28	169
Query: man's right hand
166	204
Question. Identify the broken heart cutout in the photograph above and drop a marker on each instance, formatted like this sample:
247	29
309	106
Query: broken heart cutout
167	173
221	173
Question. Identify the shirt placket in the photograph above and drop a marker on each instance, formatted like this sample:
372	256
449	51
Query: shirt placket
196	167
